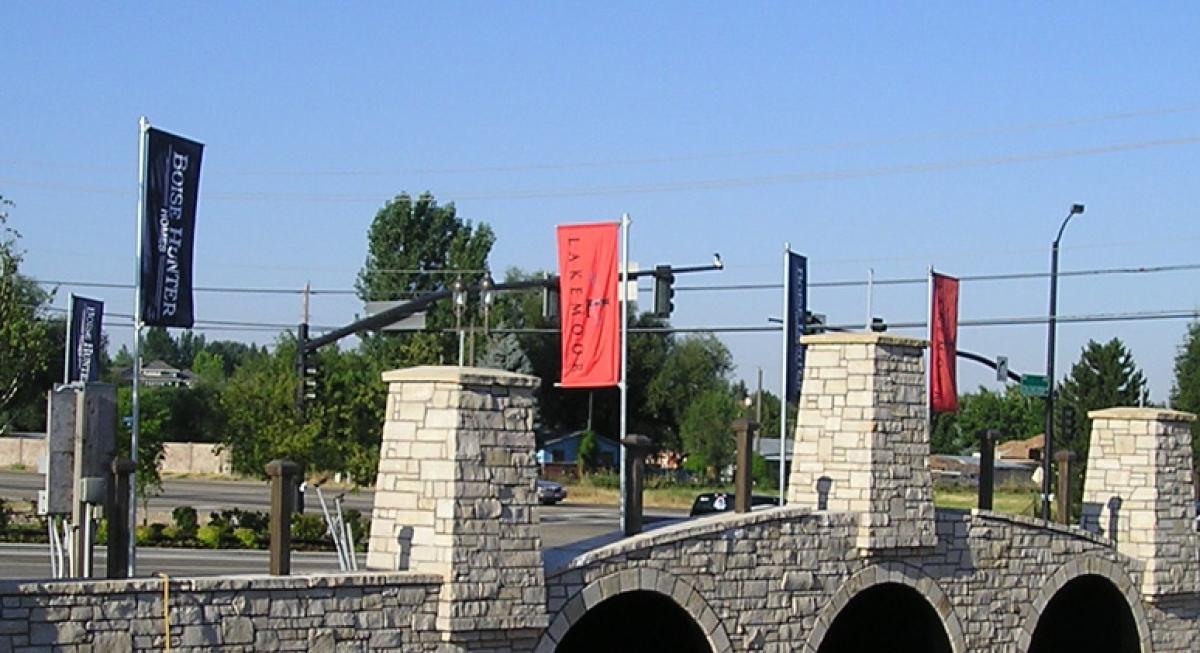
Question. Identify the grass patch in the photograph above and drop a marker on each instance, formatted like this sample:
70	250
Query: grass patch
1008	502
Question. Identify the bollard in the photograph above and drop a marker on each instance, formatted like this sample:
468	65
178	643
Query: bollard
743	488
635	463
987	467
1064	459
283	475
117	511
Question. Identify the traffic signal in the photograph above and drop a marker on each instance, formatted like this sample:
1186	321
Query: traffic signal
664	291
814	322
550	301
306	369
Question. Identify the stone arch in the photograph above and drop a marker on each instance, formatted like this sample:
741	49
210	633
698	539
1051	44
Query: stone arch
1077	568
645	579
889	573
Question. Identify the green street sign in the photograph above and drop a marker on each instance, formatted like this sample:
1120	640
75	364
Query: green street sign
1034	385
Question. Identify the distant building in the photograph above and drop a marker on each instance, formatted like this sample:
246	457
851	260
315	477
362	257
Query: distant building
565	450
1022	450
964	471
161	375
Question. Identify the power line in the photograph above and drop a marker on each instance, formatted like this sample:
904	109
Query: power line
667	187
900	281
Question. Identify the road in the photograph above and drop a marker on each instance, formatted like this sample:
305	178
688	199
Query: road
566	530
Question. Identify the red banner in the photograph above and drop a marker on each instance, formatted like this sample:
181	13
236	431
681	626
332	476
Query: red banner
943	346
590	312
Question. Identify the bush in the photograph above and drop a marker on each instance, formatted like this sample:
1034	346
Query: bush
185	519
5	515
211	536
248	537
174	534
309	528
147	535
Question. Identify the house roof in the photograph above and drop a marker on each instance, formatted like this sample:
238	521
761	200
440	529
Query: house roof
574	435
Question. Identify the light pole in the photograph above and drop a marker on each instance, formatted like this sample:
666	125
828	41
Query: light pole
1048	445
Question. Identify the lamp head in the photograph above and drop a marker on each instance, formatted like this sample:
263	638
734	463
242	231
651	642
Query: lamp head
1076	209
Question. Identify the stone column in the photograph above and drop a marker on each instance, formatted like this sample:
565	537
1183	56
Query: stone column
862	437
455	494
1138	492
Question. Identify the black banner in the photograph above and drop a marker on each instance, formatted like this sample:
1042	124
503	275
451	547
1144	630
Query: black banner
83	339
168	229
795	313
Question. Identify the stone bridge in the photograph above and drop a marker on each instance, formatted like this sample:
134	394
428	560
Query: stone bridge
859	559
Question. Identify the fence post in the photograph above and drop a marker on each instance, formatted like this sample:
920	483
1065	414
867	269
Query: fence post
743	484
987	467
1064	459
639	446
117	511
283	475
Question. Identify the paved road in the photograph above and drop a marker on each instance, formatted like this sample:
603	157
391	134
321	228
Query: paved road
566	528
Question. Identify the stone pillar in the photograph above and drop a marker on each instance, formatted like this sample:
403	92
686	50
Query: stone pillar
456	496
1138	491
862	437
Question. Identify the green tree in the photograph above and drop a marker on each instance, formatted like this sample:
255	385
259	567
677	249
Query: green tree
1010	413
585	459
1185	391
693	366
1105	376
705	429
155	414
413	247
23	331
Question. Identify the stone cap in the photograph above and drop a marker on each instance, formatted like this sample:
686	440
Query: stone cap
861	338
461	376
1149	414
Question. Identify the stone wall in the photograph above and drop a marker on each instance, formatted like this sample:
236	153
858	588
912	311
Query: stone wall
862	437
775	580
355	612
1138	493
456	494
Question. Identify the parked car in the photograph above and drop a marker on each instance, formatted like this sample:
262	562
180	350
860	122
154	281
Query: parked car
550	493
713	502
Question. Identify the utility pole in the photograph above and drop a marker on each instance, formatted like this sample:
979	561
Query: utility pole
758	411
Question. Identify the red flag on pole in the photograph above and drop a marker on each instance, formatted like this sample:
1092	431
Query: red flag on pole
943	327
589	311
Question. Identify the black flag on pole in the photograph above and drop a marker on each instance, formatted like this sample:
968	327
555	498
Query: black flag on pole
168	229
795	318
83	348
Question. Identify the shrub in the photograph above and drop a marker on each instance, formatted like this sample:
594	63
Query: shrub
185	519
5	515
148	534
308	528
174	533
211	536
248	537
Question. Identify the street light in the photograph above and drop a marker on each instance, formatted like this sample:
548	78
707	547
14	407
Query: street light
1048	445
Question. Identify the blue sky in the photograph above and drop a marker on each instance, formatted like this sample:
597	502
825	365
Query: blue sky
868	135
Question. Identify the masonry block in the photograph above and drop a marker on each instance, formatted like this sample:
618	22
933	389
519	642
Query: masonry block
458	456
1139	492
866	450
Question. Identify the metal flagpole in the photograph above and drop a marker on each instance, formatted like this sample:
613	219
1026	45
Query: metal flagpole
143	130
929	363
624	277
783	372
67	343
870	298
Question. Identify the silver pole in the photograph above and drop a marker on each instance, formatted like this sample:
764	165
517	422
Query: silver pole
929	354
143	131
624	386
783	398
67	340
870	297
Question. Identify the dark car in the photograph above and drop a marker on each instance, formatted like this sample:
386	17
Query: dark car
712	502
550	493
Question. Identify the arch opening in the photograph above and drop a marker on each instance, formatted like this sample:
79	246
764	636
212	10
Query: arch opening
635	622
887	617
1089	614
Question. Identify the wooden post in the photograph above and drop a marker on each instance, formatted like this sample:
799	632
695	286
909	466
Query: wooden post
283	475
639	446
1064	459
743	484
987	467
117	511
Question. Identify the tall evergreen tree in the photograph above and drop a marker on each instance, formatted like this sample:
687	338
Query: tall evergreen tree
1105	376
1185	391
